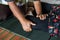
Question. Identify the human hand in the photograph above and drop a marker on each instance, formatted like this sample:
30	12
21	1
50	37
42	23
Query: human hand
42	16
27	25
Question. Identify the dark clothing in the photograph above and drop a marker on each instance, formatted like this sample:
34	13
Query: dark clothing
40	25
53	20
50	9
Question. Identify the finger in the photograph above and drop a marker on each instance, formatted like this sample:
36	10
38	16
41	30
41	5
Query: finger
42	17
32	23
46	14
29	29
37	16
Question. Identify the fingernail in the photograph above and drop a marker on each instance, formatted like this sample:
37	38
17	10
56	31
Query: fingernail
34	24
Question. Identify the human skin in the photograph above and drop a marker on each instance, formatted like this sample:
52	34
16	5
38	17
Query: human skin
26	24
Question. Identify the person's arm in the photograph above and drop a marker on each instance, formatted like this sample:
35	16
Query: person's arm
26	24
37	5
38	8
17	13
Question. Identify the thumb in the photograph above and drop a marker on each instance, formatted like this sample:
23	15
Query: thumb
33	24
37	15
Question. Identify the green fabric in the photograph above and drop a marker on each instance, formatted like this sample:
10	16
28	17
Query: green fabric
13	24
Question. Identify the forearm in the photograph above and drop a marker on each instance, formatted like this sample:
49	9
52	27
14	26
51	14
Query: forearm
17	13
37	6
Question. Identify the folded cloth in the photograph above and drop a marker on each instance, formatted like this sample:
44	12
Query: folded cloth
40	24
9	0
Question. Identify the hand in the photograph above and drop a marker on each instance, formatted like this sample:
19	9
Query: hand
9	0
42	16
27	25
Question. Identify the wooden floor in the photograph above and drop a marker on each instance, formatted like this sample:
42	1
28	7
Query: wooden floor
8	35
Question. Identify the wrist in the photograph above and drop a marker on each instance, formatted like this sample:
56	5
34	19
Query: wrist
39	13
22	20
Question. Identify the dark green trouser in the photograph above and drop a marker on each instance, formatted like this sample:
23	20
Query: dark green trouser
13	25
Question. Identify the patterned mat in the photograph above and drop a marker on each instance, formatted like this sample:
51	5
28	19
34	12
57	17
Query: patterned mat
8	35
